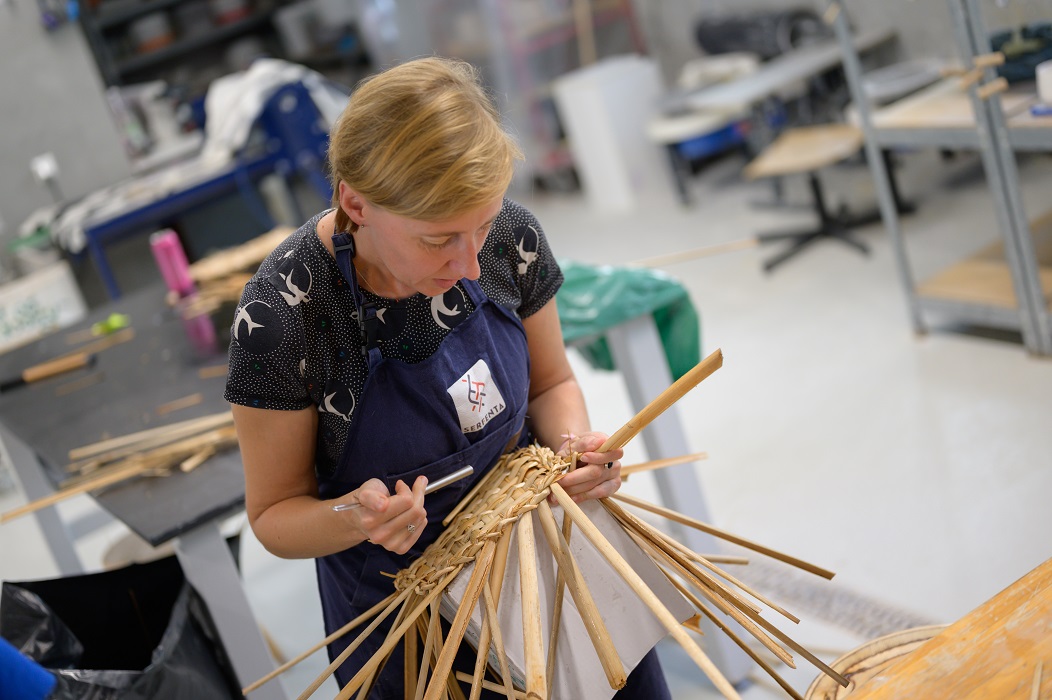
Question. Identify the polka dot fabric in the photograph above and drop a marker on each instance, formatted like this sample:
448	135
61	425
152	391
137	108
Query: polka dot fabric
295	338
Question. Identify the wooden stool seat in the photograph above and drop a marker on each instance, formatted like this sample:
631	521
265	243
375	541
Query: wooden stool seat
806	149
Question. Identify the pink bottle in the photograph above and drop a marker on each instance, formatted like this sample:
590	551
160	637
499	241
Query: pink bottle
171	260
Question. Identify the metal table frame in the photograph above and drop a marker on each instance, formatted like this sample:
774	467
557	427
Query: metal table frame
996	144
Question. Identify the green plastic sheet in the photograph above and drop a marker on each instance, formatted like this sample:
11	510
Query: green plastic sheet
594	299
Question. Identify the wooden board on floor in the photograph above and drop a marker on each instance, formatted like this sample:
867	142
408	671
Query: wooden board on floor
992	652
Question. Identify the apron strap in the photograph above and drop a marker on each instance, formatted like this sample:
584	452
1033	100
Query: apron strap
368	324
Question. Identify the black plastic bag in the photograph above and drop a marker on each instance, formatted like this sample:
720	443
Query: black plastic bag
136	633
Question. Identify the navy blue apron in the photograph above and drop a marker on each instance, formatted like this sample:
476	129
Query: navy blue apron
405	424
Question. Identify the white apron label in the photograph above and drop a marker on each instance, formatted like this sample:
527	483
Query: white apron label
476	397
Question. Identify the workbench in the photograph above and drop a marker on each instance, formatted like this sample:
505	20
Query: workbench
41	422
992	652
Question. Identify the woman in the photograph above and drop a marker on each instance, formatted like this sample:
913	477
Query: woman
406	332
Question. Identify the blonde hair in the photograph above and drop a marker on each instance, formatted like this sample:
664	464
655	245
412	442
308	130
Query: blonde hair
421	140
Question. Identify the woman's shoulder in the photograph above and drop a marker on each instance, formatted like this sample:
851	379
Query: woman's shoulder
302	244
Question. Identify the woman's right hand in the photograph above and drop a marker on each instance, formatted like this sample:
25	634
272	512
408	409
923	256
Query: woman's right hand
395	522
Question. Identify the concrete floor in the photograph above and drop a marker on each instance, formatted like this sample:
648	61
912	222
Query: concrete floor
916	467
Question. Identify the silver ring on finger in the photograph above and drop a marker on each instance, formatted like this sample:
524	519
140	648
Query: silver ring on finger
411	528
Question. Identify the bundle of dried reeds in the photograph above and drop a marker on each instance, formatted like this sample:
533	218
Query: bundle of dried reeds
221	276
154	452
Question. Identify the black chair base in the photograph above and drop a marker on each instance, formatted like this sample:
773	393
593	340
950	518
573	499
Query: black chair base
836	227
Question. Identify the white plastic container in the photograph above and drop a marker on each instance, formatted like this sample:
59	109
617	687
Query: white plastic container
605	109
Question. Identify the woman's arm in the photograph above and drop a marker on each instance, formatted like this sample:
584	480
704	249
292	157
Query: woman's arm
281	492
557	410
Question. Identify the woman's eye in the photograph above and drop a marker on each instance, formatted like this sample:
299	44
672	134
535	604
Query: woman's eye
437	244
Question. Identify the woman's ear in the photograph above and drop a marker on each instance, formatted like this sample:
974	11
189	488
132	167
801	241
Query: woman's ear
352	203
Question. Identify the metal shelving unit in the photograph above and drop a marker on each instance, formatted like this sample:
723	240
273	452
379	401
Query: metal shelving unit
1009	284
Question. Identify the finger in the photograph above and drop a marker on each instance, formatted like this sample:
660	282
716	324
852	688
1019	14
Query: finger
605	489
602	457
582	479
373	494
419	487
398	536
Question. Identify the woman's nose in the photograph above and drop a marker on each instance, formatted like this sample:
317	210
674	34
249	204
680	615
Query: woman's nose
466	262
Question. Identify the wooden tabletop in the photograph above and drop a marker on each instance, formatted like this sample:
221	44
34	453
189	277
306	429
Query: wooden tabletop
992	652
946	105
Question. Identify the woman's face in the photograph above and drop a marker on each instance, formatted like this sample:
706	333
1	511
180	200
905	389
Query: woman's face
428	257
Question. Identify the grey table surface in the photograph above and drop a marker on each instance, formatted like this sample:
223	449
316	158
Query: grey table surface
157	366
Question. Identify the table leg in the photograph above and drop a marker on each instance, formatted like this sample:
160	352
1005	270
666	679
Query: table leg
102	265
30	473
640	357
210	569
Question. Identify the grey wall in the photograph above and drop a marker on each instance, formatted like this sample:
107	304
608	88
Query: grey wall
923	26
51	99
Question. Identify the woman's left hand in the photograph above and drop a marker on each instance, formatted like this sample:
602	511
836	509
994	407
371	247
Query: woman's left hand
598	474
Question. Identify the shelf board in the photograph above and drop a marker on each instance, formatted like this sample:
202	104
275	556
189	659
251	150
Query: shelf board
184	46
985	277
105	19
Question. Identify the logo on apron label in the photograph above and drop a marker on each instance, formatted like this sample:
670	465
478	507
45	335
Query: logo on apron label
476	397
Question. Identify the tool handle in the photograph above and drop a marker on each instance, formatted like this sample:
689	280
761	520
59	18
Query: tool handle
53	367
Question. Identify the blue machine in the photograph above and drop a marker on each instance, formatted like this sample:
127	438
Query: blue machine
296	141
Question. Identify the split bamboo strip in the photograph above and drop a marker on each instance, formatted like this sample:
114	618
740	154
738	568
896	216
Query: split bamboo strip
662	463
488	685
695	253
104	343
697	524
178	404
363	673
323	643
557	609
213	371
593	621
410	647
196	460
125	472
722	598
367	686
162	457
532	638
768	669
795	646
1035	689
661	549
430	634
331	668
690	554
193	425
461	619
469	498
624	516
555	626
645	594
665	399
496	583
498	641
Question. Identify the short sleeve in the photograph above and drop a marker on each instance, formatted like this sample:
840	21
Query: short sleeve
267	352
534	271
